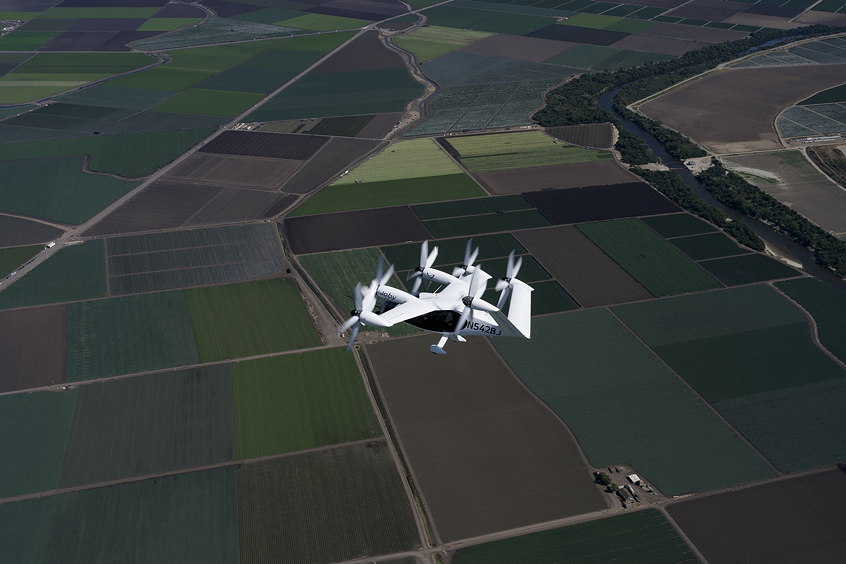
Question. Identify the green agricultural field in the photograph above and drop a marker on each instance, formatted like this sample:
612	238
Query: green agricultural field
161	78
57	189
12	258
210	102
519	150
746	269
587	135
74	273
678	225
238	320
514	24
321	22
594	21
432	41
708	246
128	335
642	536
488	223
322	43
300	401
26	40
416	158
34	430
476	206
167	24
390	193
131	155
216	58
836	94
453	16
827	306
653	262
99	12
605	376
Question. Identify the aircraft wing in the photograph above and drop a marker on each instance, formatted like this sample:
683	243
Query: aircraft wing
406	311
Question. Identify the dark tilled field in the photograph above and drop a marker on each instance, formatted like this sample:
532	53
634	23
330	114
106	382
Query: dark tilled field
32	347
250	172
334	158
597	203
79	41
708	10
106	24
582	268
485	454
351	230
575	34
534	49
652	44
358	9
239	205
797	520
270	145
15	231
576	175
365	53
379	126
692	33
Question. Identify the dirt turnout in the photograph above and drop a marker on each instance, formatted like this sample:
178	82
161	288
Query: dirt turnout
734	109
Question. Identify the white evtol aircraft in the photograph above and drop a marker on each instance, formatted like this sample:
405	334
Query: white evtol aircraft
455	310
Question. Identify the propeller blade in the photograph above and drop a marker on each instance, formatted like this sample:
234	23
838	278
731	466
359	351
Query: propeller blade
501	284
424	253
431	258
353	335
415	289
386	276
368	300
347	324
517	264
462	319
483	305
380	267
358	295
473	256
474	284
467	248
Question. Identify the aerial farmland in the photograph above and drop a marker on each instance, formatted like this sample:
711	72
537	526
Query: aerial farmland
193	191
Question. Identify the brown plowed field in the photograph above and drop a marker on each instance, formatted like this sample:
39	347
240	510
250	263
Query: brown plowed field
516	181
251	172
237	205
595	203
486	455
15	231
652	44
708	10
365	53
573	34
734	109
268	145
32	347
774	22
379	126
693	33
797	520
582	268
333	159
352	230
532	49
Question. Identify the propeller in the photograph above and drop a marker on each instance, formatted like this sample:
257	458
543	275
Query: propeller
383	277
511	271
427	259
471	302
470	255
365	301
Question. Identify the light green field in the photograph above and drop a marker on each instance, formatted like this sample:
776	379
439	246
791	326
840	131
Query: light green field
209	102
299	401
428	42
322	22
405	159
167	24
17	15
238	320
519	150
13	257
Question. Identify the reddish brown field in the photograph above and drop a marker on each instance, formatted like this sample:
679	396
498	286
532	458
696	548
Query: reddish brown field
365	53
714	112
334	158
516	181
484	453
582	268
251	172
32	347
532	49
796	520
652	44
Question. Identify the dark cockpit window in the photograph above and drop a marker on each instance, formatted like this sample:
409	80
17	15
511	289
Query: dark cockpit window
442	321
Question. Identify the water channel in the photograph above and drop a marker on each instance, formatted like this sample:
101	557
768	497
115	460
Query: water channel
777	243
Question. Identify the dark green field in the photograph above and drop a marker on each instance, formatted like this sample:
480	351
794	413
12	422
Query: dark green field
747	269
300	401
826	305
12	258
711	245
679	224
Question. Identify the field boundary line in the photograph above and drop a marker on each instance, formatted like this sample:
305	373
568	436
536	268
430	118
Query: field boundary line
697	394
680	532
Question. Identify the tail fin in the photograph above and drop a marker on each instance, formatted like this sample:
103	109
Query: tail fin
519	320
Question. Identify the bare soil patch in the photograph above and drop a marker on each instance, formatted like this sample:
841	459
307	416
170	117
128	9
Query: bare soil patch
797	520
379	126
516	181
532	49
595	203
334	158
582	268
16	231
269	145
251	172
484	462
652	44
365	53
79	41
32	347
735	109
575	34
232	205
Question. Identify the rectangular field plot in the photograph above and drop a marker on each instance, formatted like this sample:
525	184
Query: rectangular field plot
269	145
605	540
326	506
300	401
791	520
606	376
590	135
32	348
165	261
595	203
250	318
149	424
433	41
184	518
127	335
653	262
486	223
678	225
574	175
451	251
16	231
333	159
475	206
708	246
417	158
582	268
469	450
747	269
827	305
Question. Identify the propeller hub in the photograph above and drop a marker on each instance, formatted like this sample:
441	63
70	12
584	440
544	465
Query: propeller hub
467	300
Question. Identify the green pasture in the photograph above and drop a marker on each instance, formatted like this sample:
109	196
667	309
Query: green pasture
642	536
100	12
595	374
708	246
131	155
476	206
300	401
550	297
519	150
747	269
341	93
652	261
127	335
404	159
57	189
4	15
454	16
390	193
210	102
594	21
487	223
513	24
322	22
230	85
76	272
216	58
34	430
167	24
677	225
118	97
13	257
827	305
26	40
161	78
238	320
432	41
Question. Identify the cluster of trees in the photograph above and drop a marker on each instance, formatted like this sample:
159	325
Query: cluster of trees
633	150
733	190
